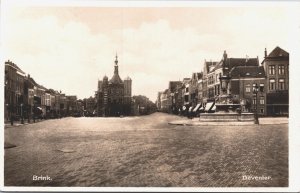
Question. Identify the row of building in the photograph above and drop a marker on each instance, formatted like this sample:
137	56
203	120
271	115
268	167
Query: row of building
25	98
243	76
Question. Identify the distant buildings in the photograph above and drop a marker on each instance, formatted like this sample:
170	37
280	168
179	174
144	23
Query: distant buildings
90	106
114	95
200	92
26	99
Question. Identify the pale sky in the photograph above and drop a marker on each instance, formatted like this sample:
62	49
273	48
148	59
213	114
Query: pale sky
70	48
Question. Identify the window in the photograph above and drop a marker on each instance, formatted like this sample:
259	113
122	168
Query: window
272	84
261	87
187	89
248	88
254	101
210	80
281	84
262	100
281	69
272	69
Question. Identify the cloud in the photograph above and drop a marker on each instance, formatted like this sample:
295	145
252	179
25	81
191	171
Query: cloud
72	54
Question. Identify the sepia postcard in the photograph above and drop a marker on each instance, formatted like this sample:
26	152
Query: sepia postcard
150	96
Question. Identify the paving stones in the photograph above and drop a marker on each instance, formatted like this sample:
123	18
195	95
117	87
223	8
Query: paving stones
146	151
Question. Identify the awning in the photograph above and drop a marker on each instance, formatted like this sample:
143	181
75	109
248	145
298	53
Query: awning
190	109
213	108
183	108
197	107
208	106
39	108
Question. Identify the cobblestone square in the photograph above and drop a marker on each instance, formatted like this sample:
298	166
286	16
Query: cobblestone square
145	151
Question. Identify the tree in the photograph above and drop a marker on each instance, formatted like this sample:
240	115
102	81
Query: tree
145	105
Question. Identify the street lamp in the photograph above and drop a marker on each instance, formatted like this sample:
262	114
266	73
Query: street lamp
172	103
255	91
22	119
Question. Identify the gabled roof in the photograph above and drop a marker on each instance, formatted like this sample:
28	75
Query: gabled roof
33	81
248	72
116	79
233	62
207	65
278	52
186	80
165	91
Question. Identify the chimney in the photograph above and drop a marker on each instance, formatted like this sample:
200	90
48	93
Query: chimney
265	52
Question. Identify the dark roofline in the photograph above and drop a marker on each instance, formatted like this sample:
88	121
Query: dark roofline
14	65
268	57
240	71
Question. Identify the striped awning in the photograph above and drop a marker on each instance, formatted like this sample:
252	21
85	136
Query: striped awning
197	107
208	106
213	108
201	108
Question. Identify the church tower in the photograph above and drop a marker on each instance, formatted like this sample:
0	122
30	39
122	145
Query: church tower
114	95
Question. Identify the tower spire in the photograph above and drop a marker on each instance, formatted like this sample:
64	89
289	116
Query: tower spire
116	65
116	61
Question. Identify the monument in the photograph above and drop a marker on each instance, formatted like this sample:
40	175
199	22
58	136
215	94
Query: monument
228	108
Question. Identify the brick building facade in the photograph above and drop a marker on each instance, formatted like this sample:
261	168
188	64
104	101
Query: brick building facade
276	66
242	76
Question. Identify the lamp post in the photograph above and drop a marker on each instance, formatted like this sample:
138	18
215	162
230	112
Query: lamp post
22	119
255	91
172	103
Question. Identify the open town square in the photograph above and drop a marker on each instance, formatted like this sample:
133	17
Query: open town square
146	151
131	97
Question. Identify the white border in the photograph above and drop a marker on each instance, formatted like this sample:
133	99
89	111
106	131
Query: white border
294	124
